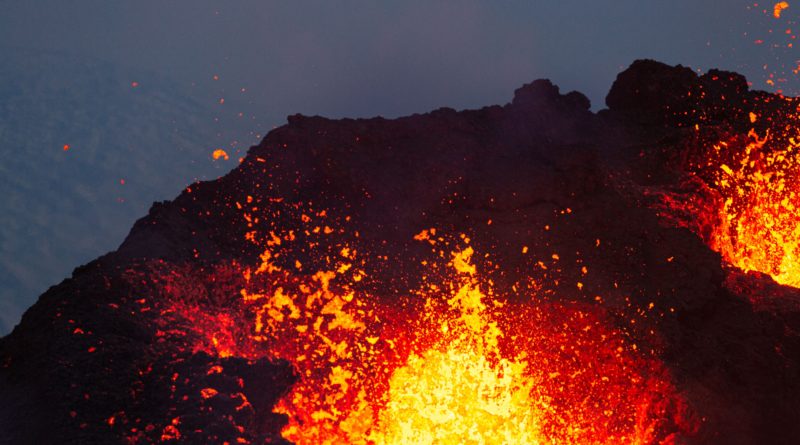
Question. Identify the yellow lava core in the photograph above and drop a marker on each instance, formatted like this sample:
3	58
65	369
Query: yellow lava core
458	397
461	391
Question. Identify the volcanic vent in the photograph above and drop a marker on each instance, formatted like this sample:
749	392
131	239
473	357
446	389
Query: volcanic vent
530	273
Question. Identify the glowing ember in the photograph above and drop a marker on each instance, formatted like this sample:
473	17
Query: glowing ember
778	9
220	153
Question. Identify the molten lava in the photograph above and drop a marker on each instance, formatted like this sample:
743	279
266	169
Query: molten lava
742	192
458	396
220	154
451	362
460	390
778	9
758	181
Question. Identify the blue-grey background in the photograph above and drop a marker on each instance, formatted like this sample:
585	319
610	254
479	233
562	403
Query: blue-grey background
220	74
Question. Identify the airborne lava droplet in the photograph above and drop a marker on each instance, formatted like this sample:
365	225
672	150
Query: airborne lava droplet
778	9
220	153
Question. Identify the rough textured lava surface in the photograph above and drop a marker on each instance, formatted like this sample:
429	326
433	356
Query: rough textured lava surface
529	273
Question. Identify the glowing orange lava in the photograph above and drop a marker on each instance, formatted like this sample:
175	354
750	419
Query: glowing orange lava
758	178
461	390
777	10
442	366
220	154
451	361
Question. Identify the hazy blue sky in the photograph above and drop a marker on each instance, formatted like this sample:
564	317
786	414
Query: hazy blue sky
363	58
69	67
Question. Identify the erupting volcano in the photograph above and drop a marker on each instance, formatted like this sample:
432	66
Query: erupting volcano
533	273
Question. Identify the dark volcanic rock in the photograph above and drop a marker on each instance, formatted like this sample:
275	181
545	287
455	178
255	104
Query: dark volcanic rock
102	357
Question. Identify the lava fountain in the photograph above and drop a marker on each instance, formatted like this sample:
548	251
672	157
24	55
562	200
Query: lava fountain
451	362
759	230
753	178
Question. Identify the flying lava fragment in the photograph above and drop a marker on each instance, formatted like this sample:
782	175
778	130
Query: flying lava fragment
220	153
778	9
